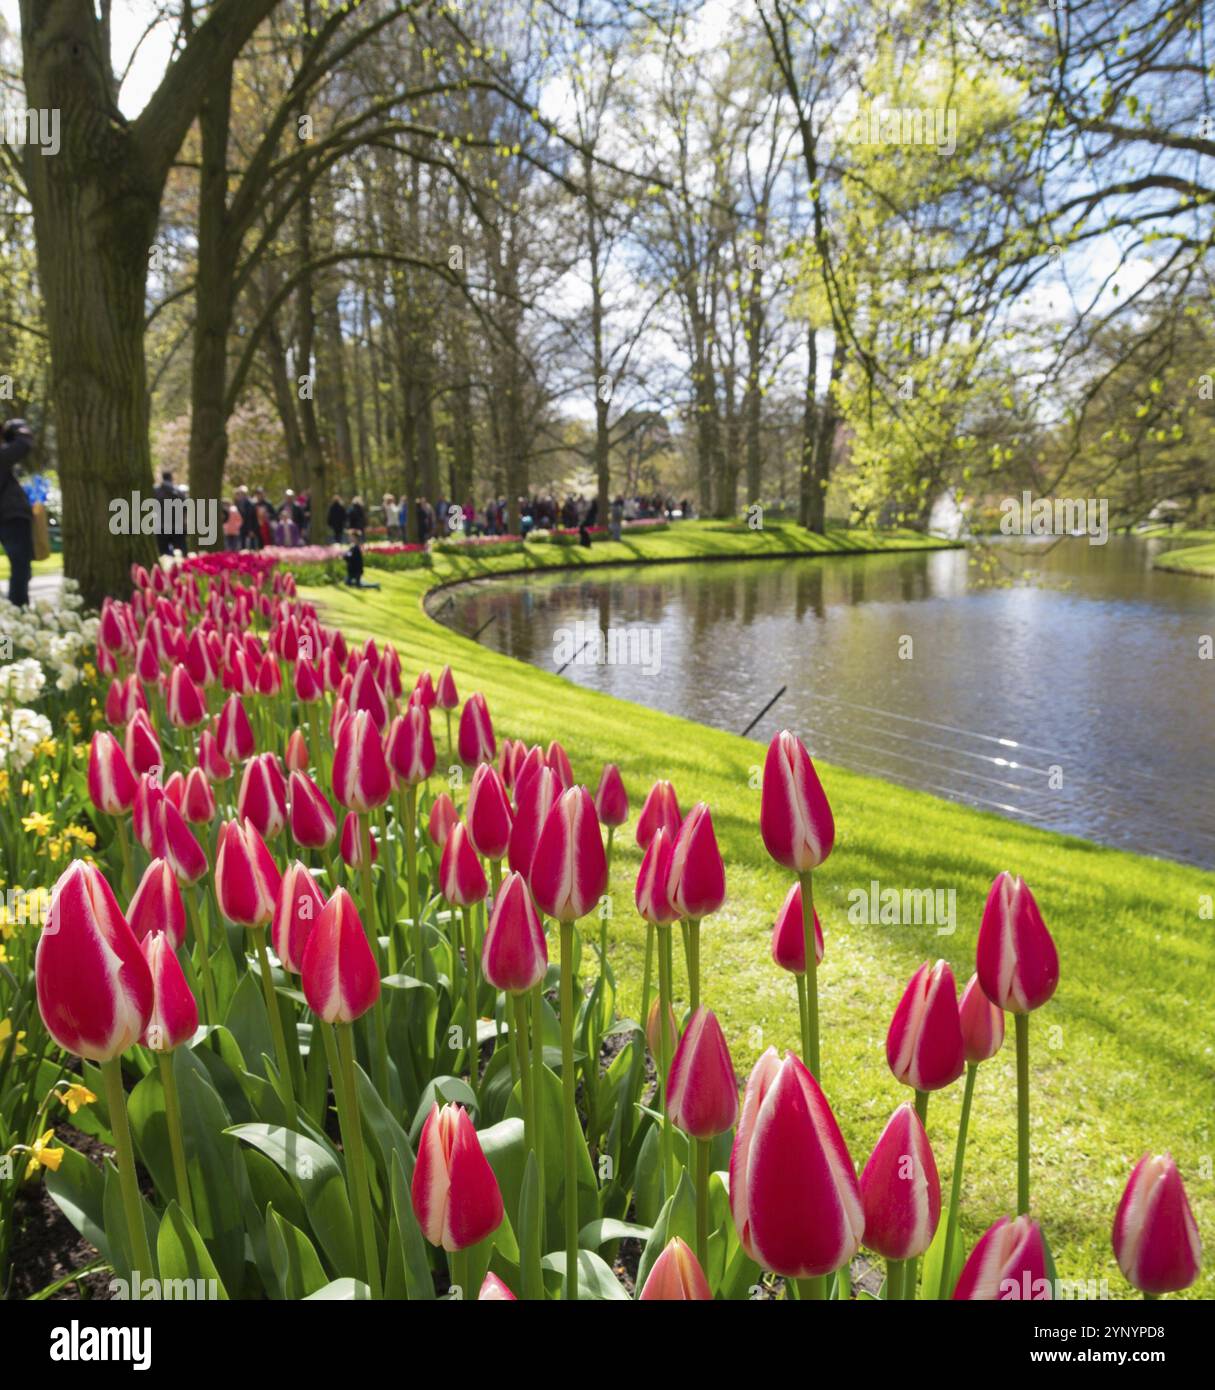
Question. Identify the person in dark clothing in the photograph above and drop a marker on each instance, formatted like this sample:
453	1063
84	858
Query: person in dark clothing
248	519
592	513
337	520
356	519
167	540
16	514
354	568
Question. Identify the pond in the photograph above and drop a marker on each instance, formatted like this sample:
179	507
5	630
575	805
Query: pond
1074	697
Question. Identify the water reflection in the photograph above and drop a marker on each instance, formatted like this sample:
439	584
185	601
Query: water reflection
906	667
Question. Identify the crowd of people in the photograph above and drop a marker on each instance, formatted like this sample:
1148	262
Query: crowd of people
251	521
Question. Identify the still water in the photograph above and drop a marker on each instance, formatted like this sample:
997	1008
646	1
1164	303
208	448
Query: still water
1086	668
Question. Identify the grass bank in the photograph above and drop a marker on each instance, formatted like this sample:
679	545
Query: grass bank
1122	1057
1194	559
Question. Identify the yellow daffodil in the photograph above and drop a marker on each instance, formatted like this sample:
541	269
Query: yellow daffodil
39	823
75	1096
6	1032
41	1156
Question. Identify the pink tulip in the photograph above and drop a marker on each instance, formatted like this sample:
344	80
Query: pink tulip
185	705
350	847
111	781
142	746
652	1035
176	843
313	824
900	1189
1155	1238
233	732
261	799
174	1017
702	1094
366	697
489	813
493	1290
410	746
198	800
269	677
514	955
558	759
660	810
445	692
307	682
442	818
94	986
924	1043
455	1193
145	811
1016	958
793	1189
535	798
569	869
361	780
611	799
296	756
1008	1262
652	894
296	912
157	905
247	879
789	934
696	881
211	760
794	817
982	1023
424	691
476	739
528	762
340	977
461	877
676	1276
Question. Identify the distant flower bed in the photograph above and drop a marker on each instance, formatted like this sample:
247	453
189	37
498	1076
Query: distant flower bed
455	545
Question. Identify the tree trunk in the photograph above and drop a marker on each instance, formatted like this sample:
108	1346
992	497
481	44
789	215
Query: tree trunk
805	471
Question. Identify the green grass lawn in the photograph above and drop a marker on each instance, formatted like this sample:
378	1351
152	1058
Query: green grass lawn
1195	559
1123	1055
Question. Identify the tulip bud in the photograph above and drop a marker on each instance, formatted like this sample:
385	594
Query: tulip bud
142	746
659	811
185	705
653	1037
789	934
313	824
94	986
476	739
924	1043
461	877
350	846
157	905
233	732
111	781
177	844
1155	1238
308	685
1008	1262
793	1189
794	817
445	692
340	977
535	797
174	1016
696	879
1016	958
247	879
493	1290
514	955
410	746
702	1094
145	812
528	762
197	800
261	799
982	1023
424	690
558	759
489	813
676	1276
296	756
569	869
611	799
360	772
455	1193
211	760
652	893
296	911
269	677
900	1189
442	818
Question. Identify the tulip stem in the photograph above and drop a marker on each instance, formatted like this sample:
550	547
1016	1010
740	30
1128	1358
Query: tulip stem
276	1024
693	941
538	1085
204	951
1022	1113
648	977
176	1146
813	1290
895	1274
519	1027
803	1016
911	1267
449	748
352	1140
569	1099
664	1059
116	1101
390	879
409	818
372	921
372	906
702	1204
124	844
470	987
955	1185
813	1060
